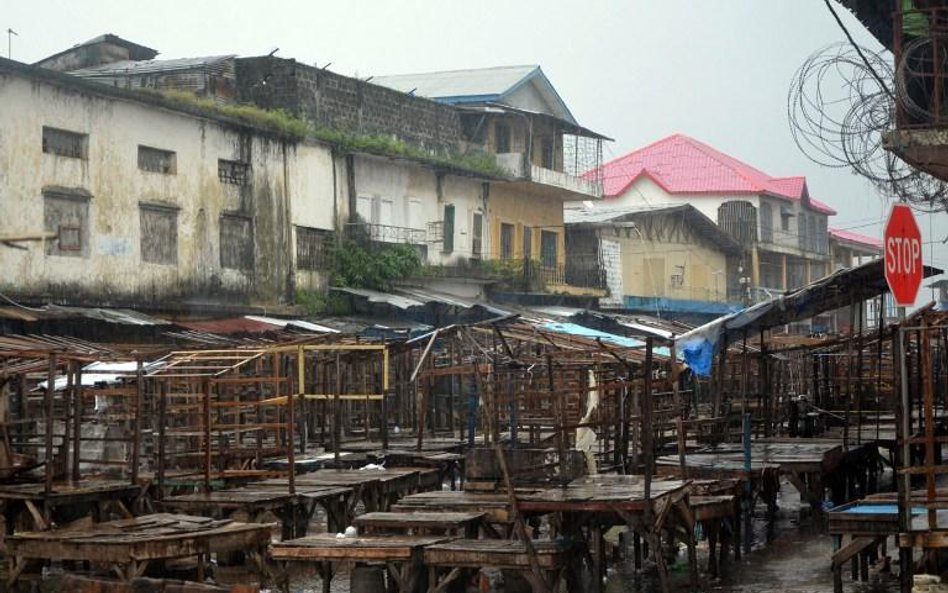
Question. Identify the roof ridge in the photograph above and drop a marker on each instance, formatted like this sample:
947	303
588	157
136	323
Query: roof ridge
507	67
729	162
638	150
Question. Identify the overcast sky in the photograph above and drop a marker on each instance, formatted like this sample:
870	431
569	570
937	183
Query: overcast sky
634	70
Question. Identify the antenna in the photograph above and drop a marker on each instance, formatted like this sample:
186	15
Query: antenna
10	34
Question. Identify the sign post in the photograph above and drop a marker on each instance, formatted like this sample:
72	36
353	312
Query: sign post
902	244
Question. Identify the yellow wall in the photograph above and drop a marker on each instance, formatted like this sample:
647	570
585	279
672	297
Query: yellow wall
506	205
648	267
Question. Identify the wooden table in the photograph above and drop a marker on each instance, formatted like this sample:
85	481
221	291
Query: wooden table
377	489
600	501
401	555
495	507
449	560
28	507
129	545
254	504
421	523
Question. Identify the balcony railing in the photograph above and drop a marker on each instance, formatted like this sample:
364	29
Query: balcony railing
585	277
921	67
521	274
383	233
514	163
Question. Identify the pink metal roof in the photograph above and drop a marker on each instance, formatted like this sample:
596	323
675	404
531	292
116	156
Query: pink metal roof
821	206
682	165
859	238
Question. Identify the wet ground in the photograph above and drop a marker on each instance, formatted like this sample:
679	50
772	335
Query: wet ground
789	555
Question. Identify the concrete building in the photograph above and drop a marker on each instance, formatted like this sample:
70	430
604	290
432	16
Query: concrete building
660	259
515	114
170	202
781	229
151	203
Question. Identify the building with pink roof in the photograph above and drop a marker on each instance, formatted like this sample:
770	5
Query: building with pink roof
782	229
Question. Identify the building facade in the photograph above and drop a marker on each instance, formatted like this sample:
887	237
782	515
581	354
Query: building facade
781	229
150	205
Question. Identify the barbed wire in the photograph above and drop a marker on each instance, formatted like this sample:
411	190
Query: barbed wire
839	110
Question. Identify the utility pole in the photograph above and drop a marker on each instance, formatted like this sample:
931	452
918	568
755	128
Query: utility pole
10	34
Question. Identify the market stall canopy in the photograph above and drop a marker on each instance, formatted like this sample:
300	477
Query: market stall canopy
837	290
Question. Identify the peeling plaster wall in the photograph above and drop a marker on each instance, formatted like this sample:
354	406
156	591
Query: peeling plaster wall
411	193
113	270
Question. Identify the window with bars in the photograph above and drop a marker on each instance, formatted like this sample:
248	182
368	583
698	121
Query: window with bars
548	248
766	223
506	240
236	242
502	137
233	172
312	248
65	143
156	160
67	215
159	233
477	235
447	245
548	153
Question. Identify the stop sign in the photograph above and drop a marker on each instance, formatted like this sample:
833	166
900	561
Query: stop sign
902	242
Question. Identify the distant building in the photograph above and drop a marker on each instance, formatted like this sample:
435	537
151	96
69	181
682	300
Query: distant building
781	229
662	259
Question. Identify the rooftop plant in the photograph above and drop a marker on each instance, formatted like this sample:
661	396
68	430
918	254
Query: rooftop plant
293	128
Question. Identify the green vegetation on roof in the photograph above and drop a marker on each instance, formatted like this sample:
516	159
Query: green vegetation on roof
277	121
290	127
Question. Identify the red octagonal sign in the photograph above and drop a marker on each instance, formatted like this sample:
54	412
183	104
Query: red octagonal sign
903	255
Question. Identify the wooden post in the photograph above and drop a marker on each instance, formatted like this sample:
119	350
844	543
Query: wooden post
77	426
647	432
69	405
48	437
383	423
336	412
291	415
162	424
559	405
206	413
137	420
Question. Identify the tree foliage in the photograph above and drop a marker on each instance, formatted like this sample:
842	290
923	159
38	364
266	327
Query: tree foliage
357	264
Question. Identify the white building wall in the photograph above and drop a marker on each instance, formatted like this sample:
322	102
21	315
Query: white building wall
112	267
406	195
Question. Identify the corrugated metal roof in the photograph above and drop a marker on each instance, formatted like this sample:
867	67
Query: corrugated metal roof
692	215
151	66
407	298
599	213
585	332
374	296
231	325
858	238
682	165
120	316
254	324
297	323
478	85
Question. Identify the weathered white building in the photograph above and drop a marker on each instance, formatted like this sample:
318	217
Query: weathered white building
151	202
